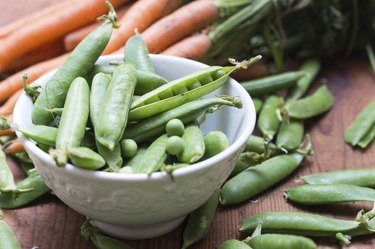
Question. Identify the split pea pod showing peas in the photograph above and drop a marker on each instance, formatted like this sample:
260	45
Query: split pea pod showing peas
78	64
199	221
182	90
75	115
281	241
360	177
114	111
317	103
362	124
254	180
318	194
268	120
302	224
34	182
272	84
7	238
187	113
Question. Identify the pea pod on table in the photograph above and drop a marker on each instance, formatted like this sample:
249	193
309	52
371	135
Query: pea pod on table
78	64
7	183
290	135
7	237
268	121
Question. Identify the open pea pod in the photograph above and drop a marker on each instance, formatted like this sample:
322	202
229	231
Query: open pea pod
183	90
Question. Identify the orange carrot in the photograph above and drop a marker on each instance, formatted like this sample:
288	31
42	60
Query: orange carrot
26	20
6	132
15	82
50	27
14	146
72	39
140	16
181	23
42	53
8	106
193	47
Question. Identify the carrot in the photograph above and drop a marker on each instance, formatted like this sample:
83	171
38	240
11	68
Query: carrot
50	27
197	46
12	147
139	16
26	20
8	106
6	132
72	39
15	82
181	23
46	51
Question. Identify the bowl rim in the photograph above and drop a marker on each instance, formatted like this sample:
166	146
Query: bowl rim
249	122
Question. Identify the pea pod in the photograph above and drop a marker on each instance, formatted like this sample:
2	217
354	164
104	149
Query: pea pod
317	194
199	221
114	111
363	177
272	84
182	90
7	183
244	161
85	158
258	103
368	138
302	224
34	182
78	64
290	135
75	115
233	244
317	103
281	241
259	145
153	157
41	134
268	121
136	53
311	68
7	238
194	146
186	112
362	124
256	179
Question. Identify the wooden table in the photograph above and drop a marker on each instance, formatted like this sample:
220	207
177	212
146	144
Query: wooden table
48	223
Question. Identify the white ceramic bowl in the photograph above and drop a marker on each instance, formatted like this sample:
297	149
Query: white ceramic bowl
137	206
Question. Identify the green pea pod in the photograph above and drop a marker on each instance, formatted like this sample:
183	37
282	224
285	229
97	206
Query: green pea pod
194	146
146	81
78	64
254	180
34	182
85	158
258	145
114	112
273	83
268	120
75	115
362	124
317	103
368	138
233	244
153	157
7	183
136	53
41	134
300	223
8	239
258	103
100	241
311	68
281	241
185	112
290	135
363	177
319	194
182	90
244	161
199	221
137	158
99	88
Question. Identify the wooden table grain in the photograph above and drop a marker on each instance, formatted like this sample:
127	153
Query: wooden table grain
49	224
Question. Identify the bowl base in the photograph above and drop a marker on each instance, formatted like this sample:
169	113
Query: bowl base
138	232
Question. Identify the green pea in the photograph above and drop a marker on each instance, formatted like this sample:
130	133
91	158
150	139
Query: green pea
281	241
8	239
194	146
78	64
175	127
318	194
199	221
215	142
175	145
317	103
128	148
